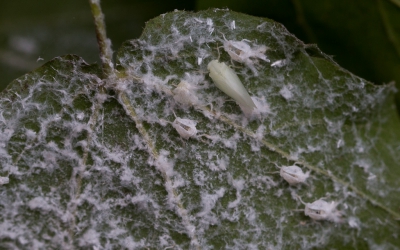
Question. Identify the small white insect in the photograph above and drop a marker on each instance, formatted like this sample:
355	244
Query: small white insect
322	210
279	63
184	94
293	174
233	25
186	128
4	180
227	81
241	51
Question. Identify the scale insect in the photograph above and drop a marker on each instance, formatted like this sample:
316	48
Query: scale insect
242	52
293	174
227	81
322	210
185	94
186	128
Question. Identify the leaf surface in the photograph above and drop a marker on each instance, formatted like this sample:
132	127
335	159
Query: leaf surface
98	163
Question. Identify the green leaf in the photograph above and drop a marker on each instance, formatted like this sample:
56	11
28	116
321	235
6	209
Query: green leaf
362	35
97	163
375	51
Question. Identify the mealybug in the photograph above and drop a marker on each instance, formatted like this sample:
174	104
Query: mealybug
185	127
322	210
184	94
293	174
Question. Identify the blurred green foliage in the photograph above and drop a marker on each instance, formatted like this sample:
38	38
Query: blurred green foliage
34	30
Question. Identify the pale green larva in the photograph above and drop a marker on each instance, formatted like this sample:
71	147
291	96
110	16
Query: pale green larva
227	81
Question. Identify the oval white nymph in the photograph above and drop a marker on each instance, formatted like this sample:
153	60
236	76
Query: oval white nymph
293	174
322	210
227	81
184	93
186	128
242	52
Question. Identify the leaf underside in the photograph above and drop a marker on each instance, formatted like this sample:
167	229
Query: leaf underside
97	163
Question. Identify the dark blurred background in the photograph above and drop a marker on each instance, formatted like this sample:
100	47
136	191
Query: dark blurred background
362	35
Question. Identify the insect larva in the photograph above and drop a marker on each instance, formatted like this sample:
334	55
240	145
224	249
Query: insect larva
184	93
227	81
293	174
322	210
186	128
241	51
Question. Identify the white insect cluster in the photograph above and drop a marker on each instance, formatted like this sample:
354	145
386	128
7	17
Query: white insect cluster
227	81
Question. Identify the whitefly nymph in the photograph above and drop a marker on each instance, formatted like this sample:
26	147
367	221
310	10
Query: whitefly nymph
185	94
322	210
293	174
227	81
186	128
